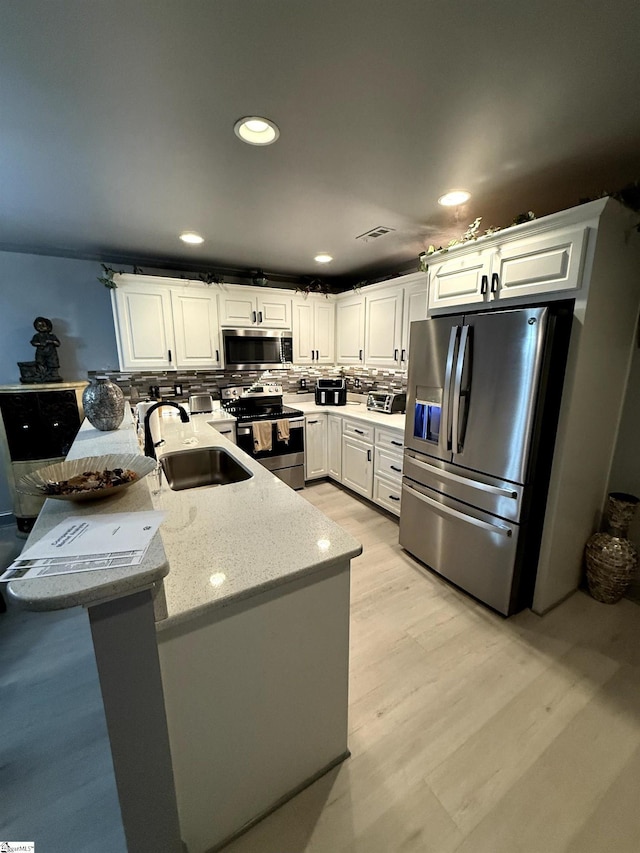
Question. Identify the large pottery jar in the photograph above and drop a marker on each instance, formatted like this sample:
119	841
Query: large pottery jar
610	557
103	403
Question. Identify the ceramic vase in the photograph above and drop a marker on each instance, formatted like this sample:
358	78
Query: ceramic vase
103	403
611	558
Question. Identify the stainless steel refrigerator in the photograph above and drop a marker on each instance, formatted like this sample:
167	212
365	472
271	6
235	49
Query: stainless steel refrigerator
483	398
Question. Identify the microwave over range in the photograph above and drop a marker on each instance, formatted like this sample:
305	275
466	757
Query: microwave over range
256	349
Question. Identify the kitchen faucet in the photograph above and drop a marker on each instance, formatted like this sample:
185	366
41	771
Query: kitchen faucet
149	447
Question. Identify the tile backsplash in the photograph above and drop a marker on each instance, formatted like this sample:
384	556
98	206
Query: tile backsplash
138	385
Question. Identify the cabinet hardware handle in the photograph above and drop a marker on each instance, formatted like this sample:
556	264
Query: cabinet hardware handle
217	355
313	355
360	355
225	431
403	356
397	443
484	284
359	431
259	316
395	355
169	356
368	456
317	355
255	317
395	468
312	422
495	281
394	497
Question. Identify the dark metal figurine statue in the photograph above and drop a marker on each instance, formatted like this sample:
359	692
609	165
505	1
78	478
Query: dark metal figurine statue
45	367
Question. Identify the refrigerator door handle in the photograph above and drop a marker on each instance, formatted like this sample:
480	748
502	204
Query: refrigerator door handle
456	439
440	473
445	431
454	513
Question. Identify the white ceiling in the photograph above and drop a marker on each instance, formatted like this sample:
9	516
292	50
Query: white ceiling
116	124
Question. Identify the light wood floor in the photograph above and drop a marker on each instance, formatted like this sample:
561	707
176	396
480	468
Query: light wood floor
469	732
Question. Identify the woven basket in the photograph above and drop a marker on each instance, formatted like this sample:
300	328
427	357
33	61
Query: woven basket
610	557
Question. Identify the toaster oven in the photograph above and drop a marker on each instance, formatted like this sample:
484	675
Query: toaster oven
386	401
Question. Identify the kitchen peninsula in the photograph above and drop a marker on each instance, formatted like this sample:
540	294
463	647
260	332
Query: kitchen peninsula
237	693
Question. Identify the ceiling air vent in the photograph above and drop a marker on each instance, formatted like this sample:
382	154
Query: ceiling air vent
379	231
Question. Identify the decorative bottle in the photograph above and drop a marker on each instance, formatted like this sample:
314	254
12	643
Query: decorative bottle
610	556
103	403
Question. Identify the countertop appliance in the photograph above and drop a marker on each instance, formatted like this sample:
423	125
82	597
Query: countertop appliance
331	392
200	403
483	400
256	349
386	401
284	453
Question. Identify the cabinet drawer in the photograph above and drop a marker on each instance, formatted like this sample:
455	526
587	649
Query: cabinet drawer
389	439
387	494
388	464
358	430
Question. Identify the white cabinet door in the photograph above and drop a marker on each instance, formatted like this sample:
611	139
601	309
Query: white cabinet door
324	332
241	307
350	330
238	308
383	328
274	310
144	327
196	328
460	280
357	465
541	264
334	446
414	307
315	448
303	331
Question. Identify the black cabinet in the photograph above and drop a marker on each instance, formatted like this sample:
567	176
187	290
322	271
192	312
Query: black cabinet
40	425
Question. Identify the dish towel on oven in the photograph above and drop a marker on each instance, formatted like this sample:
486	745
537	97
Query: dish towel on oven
261	435
283	431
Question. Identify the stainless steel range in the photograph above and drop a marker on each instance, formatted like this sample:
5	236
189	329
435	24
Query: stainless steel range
271	433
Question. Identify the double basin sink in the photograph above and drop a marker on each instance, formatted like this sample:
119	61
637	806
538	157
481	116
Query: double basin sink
202	466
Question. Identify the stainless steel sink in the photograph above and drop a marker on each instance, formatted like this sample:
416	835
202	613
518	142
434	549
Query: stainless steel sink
204	466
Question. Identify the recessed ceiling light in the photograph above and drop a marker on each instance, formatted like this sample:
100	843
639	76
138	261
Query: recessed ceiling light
191	237
256	130
323	258
453	198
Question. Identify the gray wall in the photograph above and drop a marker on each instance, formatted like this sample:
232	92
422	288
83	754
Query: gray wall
68	293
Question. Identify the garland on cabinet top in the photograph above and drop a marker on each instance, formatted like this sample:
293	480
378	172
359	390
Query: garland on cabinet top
629	195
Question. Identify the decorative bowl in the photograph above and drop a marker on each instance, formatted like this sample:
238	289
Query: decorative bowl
107	475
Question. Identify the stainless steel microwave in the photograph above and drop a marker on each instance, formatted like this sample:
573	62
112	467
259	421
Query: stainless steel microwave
256	349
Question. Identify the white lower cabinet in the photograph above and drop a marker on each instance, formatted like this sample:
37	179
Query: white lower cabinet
334	447
357	465
387	472
315	457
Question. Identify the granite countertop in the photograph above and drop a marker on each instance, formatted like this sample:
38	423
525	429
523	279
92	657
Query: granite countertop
228	543
353	409
217	544
61	591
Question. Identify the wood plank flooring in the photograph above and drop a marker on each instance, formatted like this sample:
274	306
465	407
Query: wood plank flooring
470	733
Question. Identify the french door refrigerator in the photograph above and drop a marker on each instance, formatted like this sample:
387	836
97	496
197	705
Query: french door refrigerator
483	399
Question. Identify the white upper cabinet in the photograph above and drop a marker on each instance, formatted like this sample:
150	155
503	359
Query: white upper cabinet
386	310
350	330
196	328
414	308
540	264
164	324
550	260
383	328
144	324
313	330
241	307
